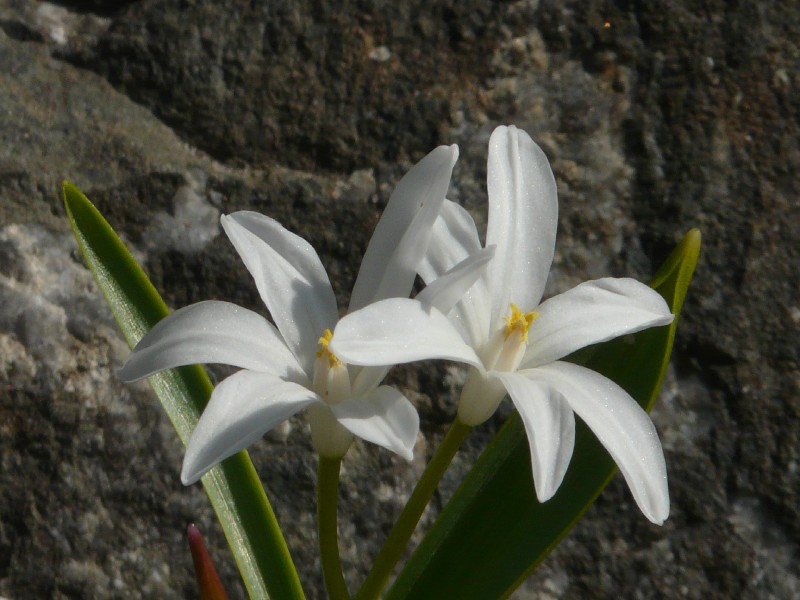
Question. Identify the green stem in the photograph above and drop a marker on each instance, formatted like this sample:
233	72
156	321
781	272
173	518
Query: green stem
327	500
394	546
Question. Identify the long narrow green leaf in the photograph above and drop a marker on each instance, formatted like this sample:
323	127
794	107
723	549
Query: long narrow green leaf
233	486
494	532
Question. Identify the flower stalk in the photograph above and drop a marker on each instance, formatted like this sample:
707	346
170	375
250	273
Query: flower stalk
394	546
327	503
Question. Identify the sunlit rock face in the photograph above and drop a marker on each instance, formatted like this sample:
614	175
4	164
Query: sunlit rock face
167	114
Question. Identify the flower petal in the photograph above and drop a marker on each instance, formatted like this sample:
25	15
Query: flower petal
385	417
290	279
621	425
592	312
366	379
401	236
549	425
454	239
523	216
448	290
398	330
242	409
211	332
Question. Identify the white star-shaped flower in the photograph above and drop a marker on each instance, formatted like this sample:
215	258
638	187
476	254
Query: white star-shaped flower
289	366
513	341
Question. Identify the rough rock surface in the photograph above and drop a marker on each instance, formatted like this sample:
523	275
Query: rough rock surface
657	117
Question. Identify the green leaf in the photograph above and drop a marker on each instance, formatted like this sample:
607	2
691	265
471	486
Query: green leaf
493	533
233	486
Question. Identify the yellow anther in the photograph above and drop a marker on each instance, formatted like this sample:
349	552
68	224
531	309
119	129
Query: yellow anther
324	341
519	322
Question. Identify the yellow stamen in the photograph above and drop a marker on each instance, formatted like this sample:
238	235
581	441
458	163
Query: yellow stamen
519	322
333	360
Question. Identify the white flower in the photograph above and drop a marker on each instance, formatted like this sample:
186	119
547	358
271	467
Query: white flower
513	342
289	366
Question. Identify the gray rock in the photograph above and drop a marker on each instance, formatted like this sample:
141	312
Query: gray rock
657	117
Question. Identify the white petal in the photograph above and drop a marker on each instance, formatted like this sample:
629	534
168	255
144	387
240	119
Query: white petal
446	291
242	409
401	236
290	279
454	239
385	417
523	216
397	331
211	332
621	425
592	312
549	425
367	379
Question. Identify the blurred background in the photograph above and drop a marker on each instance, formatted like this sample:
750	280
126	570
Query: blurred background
657	116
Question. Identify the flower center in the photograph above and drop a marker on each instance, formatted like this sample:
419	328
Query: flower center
507	346
519	322
323	352
480	396
331	378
